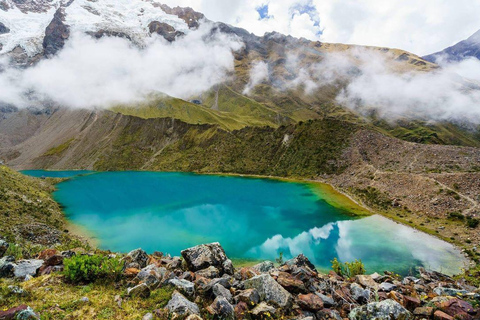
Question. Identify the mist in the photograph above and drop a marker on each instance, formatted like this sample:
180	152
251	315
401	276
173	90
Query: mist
99	73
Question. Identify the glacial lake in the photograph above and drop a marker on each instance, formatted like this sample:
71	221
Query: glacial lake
252	218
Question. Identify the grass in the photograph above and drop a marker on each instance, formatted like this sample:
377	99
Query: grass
58	150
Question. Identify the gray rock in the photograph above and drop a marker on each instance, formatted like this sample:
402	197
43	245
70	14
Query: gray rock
249	296
300	261
441	291
264	267
142	291
181	305
3	247
17	291
359	294
223	309
184	286
7	266
27	267
27	314
327	301
85	300
151	270
387	286
148	316
261	310
210	273
137	258
385	310
221	291
206	255
269	290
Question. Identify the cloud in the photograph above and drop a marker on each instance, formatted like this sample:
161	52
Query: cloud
258	73
98	73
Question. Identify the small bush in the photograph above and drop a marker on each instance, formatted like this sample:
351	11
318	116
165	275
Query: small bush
86	269
472	222
348	269
456	216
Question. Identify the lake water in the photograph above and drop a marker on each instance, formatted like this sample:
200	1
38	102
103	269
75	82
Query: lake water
55	174
252	219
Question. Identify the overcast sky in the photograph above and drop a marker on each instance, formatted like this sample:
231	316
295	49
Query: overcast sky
418	26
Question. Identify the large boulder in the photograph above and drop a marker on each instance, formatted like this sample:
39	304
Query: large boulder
310	302
3	247
300	261
359	294
264	267
222	308
269	290
220	291
7	265
25	268
137	259
142	291
206	255
181	305
20	312
385	310
184	286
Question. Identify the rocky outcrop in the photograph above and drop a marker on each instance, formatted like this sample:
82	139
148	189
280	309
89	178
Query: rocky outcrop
181	305
207	255
3	29
269	290
56	33
165	30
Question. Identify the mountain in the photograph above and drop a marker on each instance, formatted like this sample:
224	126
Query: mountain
469	48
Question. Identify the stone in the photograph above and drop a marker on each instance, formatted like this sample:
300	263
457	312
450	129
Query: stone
181	305
423	312
193	317
327	301
221	291
137	259
249	296
54	260
328	314
411	303
387	286
384	310
12	312
7	266
241	310
46	254
440	315
263	311
310	302
141	291
16	290
3	247
27	314
184	286
85	300
300	261
441	291
367	281
456	307
27	267
148	316
151	270
246	273
290	283
210	272
206	255
269	290
223	309
264	267
359	294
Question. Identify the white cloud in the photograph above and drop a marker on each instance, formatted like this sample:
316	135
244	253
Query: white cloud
258	73
98	73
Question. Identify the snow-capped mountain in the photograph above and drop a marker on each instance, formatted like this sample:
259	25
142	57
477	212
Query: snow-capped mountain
469	48
40	27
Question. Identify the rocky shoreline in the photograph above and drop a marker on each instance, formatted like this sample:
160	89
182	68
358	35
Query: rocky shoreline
203	284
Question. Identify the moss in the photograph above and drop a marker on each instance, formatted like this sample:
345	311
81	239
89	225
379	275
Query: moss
58	150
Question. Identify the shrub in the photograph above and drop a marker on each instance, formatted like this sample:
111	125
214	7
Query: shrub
348	269
472	222
86	269
456	216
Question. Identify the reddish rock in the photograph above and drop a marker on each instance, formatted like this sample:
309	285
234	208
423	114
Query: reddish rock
46	254
439	315
11	313
457	308
310	302
132	272
241	310
395	296
247	273
54	260
290	283
411	303
423	312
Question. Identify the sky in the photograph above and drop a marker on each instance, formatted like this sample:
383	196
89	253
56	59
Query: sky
421	27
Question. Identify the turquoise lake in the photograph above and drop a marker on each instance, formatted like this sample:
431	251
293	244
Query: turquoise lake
252	219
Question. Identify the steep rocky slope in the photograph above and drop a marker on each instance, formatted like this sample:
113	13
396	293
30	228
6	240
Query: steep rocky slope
469	48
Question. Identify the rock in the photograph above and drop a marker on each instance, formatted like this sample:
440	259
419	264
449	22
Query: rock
17	291
137	259
241	310
246	273
223	309
439	315
291	283
7	266
85	300
142	291
193	317
261	311
327	301
12	312
300	261
27	314
310	302
3	247
151	270
386	286
249	296
148	316
366	281
56	33
181	305
184	286
27	267
411	303
210	272
54	260
221	291
423	312
456	307
47	253
264	267
359	294
441	291
385	310
68	253
269	290
118	300
206	255
165	30
328	314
